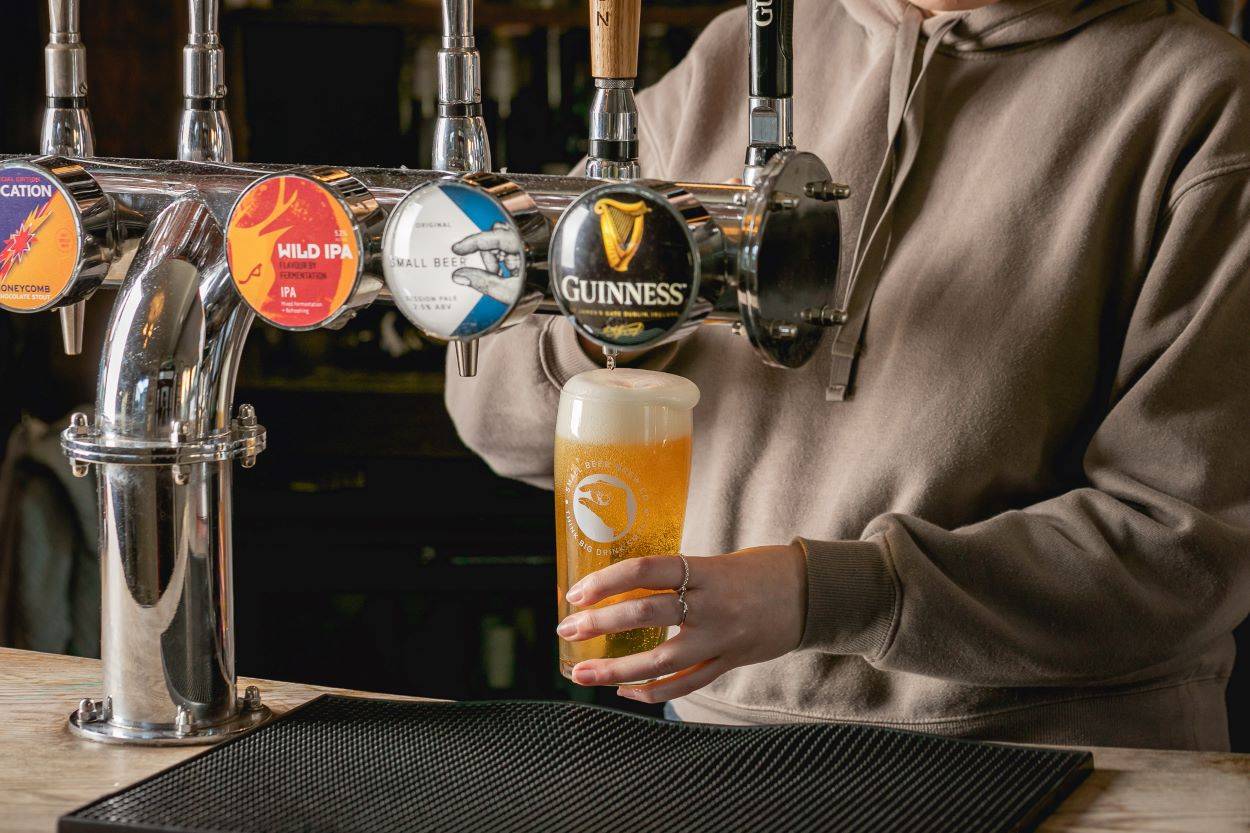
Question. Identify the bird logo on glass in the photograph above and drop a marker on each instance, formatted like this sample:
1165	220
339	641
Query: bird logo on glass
605	508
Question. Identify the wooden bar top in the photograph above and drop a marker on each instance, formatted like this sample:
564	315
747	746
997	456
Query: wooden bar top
46	772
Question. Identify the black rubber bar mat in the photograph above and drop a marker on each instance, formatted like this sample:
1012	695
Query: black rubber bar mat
352	764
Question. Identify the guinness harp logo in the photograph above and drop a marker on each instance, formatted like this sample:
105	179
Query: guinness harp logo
621	224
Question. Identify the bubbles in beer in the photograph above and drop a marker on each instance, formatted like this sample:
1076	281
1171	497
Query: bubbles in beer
622	469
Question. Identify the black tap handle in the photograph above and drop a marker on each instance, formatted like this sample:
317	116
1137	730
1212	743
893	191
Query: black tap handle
771	35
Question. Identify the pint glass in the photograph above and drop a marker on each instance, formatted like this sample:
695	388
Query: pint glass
622	468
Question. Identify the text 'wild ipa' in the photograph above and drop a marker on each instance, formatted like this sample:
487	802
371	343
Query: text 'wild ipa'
622	469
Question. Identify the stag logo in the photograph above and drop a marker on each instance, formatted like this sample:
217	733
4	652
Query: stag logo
762	13
604	507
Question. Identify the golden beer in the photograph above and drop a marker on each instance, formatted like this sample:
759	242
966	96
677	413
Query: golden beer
622	468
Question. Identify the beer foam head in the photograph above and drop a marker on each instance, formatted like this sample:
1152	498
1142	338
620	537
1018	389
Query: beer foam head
626	405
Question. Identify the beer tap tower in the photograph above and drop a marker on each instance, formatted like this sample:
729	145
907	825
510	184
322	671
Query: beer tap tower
199	247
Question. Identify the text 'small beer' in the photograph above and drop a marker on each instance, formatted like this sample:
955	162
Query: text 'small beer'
622	468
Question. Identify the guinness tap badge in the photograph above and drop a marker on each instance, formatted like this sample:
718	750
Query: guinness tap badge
624	266
621	224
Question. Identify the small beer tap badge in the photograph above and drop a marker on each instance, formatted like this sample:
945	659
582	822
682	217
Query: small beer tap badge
295	251
40	248
454	260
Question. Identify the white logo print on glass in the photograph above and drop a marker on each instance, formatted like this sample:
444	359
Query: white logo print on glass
604	507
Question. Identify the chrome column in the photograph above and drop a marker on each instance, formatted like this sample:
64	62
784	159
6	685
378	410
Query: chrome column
67	128
165	443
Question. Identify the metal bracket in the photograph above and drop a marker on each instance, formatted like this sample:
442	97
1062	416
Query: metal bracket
85	444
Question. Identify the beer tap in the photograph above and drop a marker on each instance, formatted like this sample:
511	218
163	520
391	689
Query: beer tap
770	28
67	128
204	130
614	26
460	141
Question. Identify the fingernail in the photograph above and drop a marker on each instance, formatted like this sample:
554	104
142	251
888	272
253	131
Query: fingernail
567	628
574	595
584	676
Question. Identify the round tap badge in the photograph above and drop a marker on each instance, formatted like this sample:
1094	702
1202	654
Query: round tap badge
40	232
623	265
294	251
453	259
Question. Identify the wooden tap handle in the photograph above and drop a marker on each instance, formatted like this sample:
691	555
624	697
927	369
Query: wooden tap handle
614	38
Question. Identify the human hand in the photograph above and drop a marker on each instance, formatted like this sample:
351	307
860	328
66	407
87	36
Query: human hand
742	608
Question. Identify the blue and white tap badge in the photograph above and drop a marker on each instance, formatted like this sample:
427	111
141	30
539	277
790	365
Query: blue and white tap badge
453	260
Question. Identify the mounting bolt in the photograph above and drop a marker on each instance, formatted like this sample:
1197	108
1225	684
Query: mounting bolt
783	332
87	712
784	202
247	416
251	699
823	316
736	328
182	723
826	190
78	468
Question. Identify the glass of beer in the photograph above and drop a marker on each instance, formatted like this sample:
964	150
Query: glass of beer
621	475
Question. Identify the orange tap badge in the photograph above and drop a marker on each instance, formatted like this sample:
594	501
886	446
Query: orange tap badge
39	241
294	252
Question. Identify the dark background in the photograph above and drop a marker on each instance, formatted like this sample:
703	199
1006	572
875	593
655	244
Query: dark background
372	549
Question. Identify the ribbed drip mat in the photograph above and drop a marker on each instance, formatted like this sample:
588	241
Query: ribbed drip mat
349	764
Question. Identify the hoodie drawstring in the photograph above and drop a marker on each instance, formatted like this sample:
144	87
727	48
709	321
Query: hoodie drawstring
906	114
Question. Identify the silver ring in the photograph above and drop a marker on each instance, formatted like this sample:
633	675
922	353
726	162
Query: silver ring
681	591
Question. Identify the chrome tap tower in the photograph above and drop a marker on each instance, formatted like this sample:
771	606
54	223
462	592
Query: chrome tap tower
199	247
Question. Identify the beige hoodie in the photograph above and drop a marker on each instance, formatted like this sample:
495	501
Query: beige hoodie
1031	520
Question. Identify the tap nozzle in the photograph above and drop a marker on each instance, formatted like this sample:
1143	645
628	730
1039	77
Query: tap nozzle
460	141
614	26
204	131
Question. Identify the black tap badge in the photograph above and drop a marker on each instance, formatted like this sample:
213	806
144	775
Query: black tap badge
453	259
623	265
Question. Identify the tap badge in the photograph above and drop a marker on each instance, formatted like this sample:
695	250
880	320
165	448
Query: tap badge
39	240
294	251
453	260
623	265
621	224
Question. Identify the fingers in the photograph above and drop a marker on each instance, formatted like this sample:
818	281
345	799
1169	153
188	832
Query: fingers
649	612
499	238
655	572
677	654
678	685
486	283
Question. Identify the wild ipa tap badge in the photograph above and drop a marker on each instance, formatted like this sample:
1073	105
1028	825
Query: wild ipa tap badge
40	250
453	259
295	254
623	265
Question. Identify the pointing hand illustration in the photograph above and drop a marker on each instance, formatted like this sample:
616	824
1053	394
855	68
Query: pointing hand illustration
500	247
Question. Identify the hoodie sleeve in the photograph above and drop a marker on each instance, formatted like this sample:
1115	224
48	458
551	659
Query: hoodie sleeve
1131	574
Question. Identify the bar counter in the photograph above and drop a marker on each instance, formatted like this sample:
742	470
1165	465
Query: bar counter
46	772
